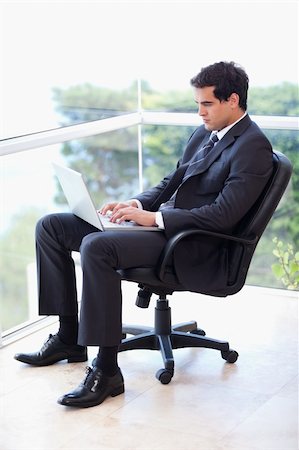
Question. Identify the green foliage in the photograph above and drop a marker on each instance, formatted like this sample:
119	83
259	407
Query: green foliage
280	100
87	102
108	161
174	101
286	223
17	251
162	148
287	267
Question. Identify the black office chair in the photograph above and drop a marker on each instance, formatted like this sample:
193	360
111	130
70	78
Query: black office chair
162	281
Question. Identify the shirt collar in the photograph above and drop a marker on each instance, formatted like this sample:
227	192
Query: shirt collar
222	132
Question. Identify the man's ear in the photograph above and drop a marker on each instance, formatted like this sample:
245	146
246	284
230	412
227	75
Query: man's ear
234	100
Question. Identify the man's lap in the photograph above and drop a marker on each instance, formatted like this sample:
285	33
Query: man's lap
131	248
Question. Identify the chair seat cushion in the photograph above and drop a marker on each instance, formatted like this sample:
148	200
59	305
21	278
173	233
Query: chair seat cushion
148	276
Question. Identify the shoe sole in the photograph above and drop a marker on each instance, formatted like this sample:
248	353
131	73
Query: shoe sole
49	361
117	391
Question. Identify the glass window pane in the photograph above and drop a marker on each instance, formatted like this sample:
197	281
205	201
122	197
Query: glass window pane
61	65
162	148
29	189
285	222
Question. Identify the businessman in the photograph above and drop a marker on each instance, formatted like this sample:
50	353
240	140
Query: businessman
224	167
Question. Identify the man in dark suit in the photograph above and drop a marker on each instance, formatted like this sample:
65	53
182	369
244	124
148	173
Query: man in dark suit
226	164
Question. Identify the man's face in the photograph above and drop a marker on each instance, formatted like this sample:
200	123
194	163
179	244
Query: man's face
216	114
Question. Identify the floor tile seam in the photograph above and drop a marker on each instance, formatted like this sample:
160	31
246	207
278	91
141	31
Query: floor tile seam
244	420
16	388
273	393
285	396
159	426
219	384
278	394
254	409
292	376
173	429
282	397
130	401
238	388
48	397
234	445
84	425
241	422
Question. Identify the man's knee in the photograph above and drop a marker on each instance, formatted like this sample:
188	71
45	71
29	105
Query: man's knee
45	224
90	243
96	245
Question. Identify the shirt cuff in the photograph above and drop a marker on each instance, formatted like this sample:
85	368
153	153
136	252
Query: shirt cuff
159	220
139	204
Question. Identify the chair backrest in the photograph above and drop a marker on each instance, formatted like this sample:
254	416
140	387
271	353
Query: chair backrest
255	221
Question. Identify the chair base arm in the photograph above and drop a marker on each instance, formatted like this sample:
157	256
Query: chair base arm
147	339
183	335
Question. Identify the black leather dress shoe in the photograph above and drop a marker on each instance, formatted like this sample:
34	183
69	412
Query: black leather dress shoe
94	389
52	351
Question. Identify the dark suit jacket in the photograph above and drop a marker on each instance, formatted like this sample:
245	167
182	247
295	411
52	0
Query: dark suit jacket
224	186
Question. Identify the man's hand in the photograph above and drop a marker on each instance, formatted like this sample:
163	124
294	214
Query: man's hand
140	216
113	207
129	211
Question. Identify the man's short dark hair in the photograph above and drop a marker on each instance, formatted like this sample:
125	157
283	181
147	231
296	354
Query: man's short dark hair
227	77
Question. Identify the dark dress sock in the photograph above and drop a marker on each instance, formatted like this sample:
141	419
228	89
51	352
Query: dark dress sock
68	329
106	360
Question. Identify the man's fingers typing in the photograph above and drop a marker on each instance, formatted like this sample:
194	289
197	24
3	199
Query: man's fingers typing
115	206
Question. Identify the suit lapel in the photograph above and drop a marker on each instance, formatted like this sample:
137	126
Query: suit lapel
228	139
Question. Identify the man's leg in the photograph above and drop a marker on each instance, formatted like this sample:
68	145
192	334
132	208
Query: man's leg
57	235
102	254
100	318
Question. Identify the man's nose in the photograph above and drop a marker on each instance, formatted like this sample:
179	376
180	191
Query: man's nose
201	110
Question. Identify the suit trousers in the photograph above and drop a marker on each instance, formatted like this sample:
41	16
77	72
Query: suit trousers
102	254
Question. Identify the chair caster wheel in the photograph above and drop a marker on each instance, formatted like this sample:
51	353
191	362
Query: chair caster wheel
164	376
230	356
199	332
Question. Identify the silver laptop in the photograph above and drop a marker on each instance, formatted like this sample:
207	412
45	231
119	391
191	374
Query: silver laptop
81	204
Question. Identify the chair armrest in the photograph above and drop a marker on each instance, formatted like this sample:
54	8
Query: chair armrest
171	244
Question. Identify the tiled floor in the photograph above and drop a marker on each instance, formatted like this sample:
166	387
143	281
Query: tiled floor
209	404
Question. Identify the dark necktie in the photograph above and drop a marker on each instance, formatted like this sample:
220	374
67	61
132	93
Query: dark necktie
202	152
211	142
184	171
